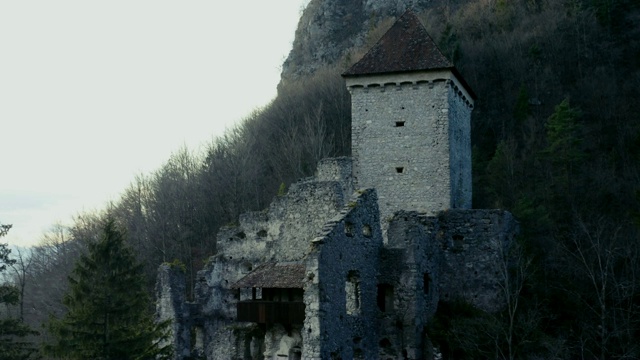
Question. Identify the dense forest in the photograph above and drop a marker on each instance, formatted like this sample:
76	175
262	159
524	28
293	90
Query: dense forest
556	141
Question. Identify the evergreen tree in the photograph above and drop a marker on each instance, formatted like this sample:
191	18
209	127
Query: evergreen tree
13	331
109	314
563	136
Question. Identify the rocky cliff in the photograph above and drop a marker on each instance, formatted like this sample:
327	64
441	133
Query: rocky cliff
329	29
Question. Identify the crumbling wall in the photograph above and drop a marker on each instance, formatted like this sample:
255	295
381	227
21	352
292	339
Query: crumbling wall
171	305
409	268
475	245
283	232
224	338
297	217
350	274
340	284
281	343
338	169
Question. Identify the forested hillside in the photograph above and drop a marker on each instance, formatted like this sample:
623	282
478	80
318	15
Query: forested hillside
556	141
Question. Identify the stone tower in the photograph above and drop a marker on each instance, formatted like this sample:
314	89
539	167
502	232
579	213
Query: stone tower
411	113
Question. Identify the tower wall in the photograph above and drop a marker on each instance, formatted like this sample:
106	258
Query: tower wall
459	111
411	140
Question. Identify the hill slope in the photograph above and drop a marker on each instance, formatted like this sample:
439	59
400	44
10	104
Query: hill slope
556	137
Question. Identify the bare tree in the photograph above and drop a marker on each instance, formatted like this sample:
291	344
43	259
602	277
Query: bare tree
606	261
515	268
21	267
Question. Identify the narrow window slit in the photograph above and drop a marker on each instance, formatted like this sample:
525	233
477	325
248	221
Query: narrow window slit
384	298
426	284
399	123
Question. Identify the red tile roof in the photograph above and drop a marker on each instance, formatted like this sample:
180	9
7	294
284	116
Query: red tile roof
274	275
406	46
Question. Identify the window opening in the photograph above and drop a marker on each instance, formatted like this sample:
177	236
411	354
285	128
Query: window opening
399	123
295	353
196	335
427	283
352	289
458	242
385	297
366	230
399	170
348	229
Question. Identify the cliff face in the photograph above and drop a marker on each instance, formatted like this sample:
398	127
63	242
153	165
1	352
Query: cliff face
330	28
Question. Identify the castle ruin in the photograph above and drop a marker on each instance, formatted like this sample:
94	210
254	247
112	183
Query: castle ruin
351	264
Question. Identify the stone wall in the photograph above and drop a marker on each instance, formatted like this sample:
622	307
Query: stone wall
365	297
475	244
171	305
338	169
282	344
297	217
410	263
281	233
402	127
459	110
340	284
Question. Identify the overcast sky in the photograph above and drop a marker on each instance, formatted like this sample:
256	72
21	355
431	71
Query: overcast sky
94	92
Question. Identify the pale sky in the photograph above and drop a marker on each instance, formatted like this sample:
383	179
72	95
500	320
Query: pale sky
94	92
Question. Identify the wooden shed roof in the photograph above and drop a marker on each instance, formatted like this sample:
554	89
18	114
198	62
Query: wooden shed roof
274	275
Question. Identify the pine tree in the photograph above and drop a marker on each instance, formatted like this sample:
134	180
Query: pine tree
109	315
563	135
13	345
564	149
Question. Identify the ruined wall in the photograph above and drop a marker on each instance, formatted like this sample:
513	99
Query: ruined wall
283	232
297	217
410	263
475	246
282	344
364	298
338	169
171	305
340	284
402	131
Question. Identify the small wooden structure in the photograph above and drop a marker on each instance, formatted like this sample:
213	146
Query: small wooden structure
276	294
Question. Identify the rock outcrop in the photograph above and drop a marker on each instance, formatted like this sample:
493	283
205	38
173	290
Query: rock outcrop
329	29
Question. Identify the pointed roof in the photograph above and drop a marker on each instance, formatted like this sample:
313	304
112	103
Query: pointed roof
406	46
